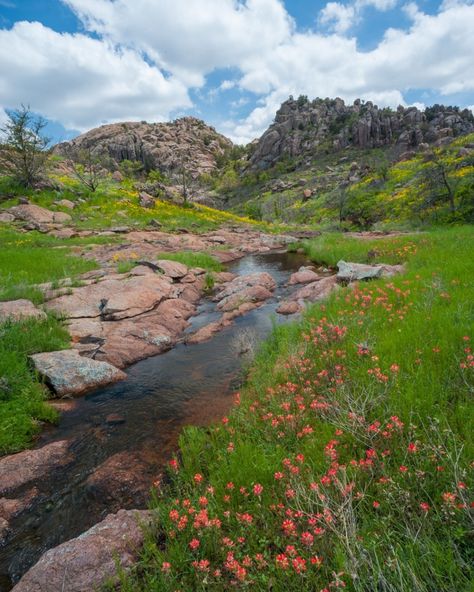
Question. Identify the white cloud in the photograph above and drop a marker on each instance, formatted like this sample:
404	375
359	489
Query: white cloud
338	17
146	55
435	53
190	38
81	81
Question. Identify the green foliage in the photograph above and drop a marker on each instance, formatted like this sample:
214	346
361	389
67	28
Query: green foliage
131	169
34	258
23	148
22	398
193	259
428	189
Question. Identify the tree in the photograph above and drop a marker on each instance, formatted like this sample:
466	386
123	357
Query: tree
338	200
87	168
24	147
440	186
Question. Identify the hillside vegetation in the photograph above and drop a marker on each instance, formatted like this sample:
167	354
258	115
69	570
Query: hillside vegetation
347	459
362	189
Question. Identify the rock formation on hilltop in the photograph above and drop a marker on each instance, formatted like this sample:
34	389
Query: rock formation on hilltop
187	142
304	127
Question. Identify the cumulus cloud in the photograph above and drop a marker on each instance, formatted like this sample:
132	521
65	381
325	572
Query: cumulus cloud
436	53
81	81
138	59
189	38
340	18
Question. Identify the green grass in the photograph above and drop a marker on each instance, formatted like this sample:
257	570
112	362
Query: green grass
22	398
33	258
348	452
193	259
329	248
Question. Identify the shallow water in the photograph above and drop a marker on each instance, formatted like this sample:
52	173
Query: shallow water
189	385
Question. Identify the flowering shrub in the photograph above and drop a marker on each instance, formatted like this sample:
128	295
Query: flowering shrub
343	463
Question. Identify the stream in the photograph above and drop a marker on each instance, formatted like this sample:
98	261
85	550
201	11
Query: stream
189	385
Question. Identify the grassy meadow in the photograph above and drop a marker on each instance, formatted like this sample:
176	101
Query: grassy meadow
347	459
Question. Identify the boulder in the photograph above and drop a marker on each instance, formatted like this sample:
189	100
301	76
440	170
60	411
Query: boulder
61	218
6	217
68	373
288	308
32	213
249	294
303	276
316	290
242	282
85	563
37	215
146	200
352	272
20	309
113	299
66	203
17	470
172	269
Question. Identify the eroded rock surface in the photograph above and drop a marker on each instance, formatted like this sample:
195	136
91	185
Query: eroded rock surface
352	272
84	564
69	373
17	470
20	309
304	275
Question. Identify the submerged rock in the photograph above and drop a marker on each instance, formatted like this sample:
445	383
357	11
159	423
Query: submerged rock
85	563
68	373
17	470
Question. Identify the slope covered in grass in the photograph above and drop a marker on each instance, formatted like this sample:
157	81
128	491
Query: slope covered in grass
347	460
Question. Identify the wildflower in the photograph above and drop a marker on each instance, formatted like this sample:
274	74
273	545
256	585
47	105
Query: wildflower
289	527
194	544
290	550
198	478
412	448
278	476
165	567
376	504
307	539
299	564
403	469
424	506
257	489
230	485
316	560
173	465
282	561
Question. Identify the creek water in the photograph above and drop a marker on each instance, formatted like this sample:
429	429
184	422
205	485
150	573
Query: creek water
189	385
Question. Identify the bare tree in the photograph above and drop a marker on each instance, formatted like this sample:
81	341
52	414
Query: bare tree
87	168
24	147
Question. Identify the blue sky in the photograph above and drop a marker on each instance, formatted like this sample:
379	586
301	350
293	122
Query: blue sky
82	63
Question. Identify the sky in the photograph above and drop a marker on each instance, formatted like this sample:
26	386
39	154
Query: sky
83	63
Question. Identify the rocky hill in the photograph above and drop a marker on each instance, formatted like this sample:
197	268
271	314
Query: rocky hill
187	142
303	128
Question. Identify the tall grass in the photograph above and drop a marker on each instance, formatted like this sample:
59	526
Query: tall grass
346	460
22	397
32	258
193	259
